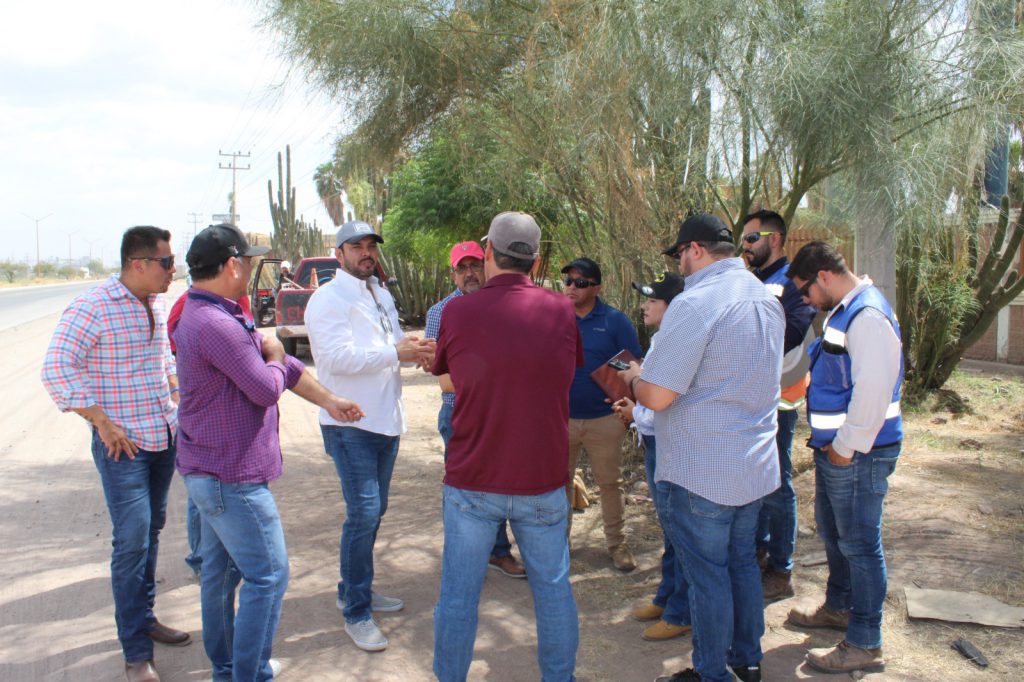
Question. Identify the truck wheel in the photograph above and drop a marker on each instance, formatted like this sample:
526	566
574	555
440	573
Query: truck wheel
291	345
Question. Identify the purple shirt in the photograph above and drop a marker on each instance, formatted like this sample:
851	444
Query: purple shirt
227	419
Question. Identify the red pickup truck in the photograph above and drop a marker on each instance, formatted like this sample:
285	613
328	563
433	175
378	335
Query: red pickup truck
282	302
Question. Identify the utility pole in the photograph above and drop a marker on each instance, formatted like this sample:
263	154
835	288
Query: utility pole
234	168
69	234
37	221
195	219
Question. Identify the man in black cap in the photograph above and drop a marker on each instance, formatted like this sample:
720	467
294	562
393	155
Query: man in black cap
605	332
713	382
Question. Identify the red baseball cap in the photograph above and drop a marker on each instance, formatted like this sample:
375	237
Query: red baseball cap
466	250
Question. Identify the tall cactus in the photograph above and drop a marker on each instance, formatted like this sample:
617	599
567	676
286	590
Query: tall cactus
293	238
947	303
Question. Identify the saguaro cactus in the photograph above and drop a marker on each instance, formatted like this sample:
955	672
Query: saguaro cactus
293	238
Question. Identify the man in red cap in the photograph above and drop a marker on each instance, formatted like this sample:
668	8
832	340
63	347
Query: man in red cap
467	261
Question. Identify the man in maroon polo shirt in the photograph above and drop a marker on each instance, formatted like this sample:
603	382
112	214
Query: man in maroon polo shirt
511	350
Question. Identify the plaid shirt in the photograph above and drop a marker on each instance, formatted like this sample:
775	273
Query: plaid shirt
229	394
433	330
102	353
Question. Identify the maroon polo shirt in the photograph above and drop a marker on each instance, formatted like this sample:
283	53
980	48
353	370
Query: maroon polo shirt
511	350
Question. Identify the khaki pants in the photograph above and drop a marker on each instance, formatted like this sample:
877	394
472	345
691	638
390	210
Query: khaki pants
602	438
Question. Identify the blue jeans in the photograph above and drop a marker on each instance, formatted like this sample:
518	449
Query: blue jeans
672	590
776	526
848	509
242	540
136	495
193	526
502	545
718	559
540	523
364	462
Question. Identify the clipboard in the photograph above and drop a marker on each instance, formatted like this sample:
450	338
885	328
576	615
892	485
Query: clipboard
609	380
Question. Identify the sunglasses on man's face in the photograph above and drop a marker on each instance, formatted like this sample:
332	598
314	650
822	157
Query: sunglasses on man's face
166	262
678	255
805	290
578	282
755	237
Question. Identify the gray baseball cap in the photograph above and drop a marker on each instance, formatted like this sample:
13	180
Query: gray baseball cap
355	230
515	234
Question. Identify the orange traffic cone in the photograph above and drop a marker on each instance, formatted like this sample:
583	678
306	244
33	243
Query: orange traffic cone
314	281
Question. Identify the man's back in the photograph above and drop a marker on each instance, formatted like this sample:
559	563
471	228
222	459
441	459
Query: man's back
511	349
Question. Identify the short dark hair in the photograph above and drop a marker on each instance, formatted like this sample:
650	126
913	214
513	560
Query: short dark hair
814	257
141	240
770	220
504	262
718	250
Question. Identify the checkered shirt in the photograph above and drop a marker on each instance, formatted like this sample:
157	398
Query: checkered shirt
433	330
102	353
720	348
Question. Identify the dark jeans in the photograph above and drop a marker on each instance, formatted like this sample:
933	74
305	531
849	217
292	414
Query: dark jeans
136	495
672	590
364	461
502	545
848	509
776	525
718	558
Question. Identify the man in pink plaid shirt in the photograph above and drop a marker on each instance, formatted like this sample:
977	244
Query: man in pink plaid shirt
110	362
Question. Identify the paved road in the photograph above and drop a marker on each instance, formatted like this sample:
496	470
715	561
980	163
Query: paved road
25	304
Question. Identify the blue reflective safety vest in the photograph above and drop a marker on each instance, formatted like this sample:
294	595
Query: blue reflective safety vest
831	389
797	361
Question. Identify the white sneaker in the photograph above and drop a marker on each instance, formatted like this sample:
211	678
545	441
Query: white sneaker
378	603
275	666
366	635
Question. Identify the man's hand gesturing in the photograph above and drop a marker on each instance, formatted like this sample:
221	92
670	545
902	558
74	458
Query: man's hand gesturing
343	409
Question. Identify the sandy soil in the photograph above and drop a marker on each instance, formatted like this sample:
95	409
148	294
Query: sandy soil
953	520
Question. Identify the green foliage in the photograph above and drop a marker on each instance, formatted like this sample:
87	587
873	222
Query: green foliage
419	285
11	270
293	239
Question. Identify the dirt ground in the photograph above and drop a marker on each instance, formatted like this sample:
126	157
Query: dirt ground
954	519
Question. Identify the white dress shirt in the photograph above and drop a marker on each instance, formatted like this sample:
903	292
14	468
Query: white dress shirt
352	336
875	353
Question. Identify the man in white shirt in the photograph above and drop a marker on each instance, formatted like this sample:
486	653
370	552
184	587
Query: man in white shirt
853	409
356	341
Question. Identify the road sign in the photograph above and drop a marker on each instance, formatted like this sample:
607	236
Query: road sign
223	217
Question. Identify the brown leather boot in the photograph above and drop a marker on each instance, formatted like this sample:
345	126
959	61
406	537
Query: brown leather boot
162	634
622	557
647	612
844	658
141	671
777	585
820	617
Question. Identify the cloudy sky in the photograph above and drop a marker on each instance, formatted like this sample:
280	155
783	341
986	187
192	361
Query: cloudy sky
112	114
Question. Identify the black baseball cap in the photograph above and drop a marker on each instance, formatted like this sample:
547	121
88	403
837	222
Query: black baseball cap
217	243
586	267
702	227
664	287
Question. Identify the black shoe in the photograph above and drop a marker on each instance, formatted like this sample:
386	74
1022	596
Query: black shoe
688	675
747	673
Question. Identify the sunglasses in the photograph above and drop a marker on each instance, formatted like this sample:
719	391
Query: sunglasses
463	268
755	237
806	288
166	262
578	282
678	255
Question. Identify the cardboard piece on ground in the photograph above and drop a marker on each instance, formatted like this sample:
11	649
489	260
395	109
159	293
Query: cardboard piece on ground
962	607
815	559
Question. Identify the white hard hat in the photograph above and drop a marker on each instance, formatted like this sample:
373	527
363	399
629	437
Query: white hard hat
286	264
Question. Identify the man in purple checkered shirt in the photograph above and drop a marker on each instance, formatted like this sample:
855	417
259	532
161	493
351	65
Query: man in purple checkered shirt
228	451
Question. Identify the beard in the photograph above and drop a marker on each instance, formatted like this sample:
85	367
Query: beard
755	259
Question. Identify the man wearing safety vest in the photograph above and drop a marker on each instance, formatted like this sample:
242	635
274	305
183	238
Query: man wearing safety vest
763	240
853	408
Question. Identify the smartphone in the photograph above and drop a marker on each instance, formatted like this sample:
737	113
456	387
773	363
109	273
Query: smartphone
620	365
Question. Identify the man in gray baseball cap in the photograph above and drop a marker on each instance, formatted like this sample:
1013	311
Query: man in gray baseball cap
514	234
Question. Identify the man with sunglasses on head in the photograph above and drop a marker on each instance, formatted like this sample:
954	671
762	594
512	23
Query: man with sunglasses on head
359	348
593	425
713	383
853	408
763	241
228	452
467	262
110	362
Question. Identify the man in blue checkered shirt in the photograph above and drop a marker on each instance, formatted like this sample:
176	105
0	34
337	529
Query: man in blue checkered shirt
467	261
713	382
